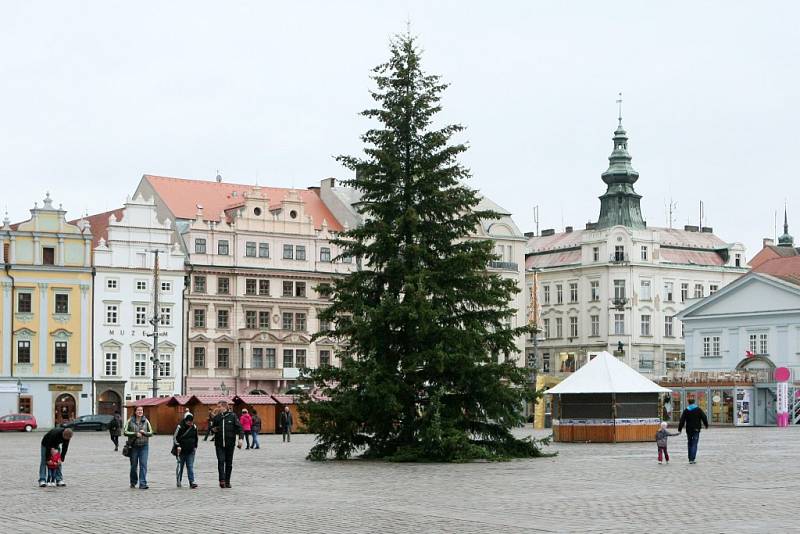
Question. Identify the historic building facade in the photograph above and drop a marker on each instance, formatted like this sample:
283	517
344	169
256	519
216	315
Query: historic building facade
618	284
254	258
46	316
125	241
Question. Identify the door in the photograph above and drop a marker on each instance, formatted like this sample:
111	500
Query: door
64	409
108	403
765	407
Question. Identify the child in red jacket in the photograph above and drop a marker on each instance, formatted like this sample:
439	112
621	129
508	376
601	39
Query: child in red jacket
52	466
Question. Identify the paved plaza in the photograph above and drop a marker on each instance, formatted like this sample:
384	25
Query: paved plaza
746	480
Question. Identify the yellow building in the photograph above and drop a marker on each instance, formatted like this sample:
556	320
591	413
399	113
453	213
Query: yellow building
46	325
541	410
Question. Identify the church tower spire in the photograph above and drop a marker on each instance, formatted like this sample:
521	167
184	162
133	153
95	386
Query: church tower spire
620	205
786	240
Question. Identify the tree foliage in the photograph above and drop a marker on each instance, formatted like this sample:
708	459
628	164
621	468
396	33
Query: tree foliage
428	369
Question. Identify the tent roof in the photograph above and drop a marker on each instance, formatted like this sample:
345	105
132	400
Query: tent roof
606	374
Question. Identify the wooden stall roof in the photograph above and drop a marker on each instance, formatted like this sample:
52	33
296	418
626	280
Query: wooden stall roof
181	400
255	399
151	401
213	399
284	399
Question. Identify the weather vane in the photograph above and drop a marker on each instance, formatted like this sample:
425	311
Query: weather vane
619	101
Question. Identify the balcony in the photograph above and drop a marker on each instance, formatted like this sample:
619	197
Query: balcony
504	265
619	257
619	303
261	373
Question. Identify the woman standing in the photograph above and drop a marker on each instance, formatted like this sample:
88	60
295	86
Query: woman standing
247	424
138	432
185	440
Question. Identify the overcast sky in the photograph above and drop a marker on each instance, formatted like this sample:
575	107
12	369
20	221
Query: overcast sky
95	94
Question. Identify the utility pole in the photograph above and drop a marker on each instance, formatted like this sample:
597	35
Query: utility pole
155	322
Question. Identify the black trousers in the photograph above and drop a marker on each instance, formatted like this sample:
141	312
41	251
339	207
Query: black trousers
225	462
247	437
115	440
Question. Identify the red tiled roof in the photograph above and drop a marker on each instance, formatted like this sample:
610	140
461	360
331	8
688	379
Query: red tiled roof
787	269
256	399
183	195
691	257
99	223
554	259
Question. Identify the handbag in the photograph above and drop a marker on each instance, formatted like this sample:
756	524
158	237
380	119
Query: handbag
126	449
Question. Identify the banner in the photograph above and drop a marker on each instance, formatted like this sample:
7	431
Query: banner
782	375
743	406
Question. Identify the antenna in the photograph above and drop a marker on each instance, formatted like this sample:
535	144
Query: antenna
536	219
671	209
701	215
619	101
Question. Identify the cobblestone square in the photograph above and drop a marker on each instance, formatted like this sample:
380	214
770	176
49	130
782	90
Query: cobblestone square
745	481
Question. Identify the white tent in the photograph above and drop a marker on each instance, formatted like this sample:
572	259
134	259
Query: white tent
606	374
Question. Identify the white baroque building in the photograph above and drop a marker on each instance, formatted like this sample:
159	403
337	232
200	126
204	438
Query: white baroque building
617	284
126	239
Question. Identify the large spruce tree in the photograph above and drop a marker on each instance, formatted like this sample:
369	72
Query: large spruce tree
428	371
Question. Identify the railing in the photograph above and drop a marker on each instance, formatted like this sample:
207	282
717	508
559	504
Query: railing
619	258
505	265
744	377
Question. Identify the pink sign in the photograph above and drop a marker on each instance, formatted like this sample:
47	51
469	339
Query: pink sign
782	374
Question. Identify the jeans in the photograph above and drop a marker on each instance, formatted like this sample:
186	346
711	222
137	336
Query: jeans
254	435
43	467
693	437
665	453
225	462
51	474
247	437
188	461
139	457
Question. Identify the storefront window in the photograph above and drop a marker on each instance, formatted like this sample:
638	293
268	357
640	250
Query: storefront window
677	406
721	407
700	397
567	362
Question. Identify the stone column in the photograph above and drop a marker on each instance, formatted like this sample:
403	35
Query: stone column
37	251
60	252
43	333
87	252
7	335
12	250
86	332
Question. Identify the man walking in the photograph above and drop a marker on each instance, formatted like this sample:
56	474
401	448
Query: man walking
693	418
57	438
286	422
115	429
227	429
255	429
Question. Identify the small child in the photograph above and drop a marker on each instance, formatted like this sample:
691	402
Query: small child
52	467
661	441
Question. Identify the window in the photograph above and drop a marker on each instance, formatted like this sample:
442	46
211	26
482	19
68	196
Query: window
287	320
269	359
199	318
199	284
288	252
166	316
299	289
23	351
250	319
668	291
300	322
668	326
738	260
346	258
223	286
263	287
324	325
48	256
324	358
24	404
140	364
546	328
684	292
645	323
141	285
595	322
595	253
140	315
223	358
546	294
644	253
698	291
111	364
573	291
61	352
573	327
263	320
546	362
199	359
619	253
222	247
619	324
223	319
62	303
24	303
250	249
300	358
250	286
559	327
559	294
112	316
324	290
199	246
288	289
713	288
711	346
263	250
763	344
619	290
166	287
257	361
644	290
300	252
288	358
324	254
646	360
112	283
165	365
594	287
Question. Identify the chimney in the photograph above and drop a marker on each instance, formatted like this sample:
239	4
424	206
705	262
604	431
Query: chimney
707	230
328	183
568	229
547	232
591	226
530	234
768	242
690	228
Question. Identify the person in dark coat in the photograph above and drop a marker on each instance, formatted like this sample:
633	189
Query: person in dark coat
692	418
185	441
255	429
57	438
227	429
286	421
115	429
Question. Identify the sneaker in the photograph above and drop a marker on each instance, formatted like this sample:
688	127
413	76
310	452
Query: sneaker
193	485
692	462
179	485
133	486
660	462
51	484
144	487
42	484
61	483
228	485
